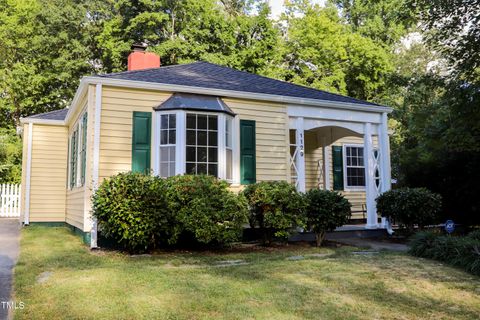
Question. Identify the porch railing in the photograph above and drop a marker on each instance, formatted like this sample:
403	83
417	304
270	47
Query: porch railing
10	200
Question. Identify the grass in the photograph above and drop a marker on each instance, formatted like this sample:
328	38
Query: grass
186	285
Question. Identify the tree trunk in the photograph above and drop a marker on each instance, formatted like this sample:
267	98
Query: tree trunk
319	238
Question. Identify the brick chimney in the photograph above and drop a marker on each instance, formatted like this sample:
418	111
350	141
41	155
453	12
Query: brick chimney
140	59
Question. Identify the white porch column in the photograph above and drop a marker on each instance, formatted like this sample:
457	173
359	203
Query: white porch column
300	157
372	221
384	146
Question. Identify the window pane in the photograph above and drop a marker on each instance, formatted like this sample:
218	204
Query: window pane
212	123
172	121
229	164
213	169
212	154
172	154
163	136
164	121
171	136
201	154
212	138
191	137
202	168
190	168
360	160
164	157
202	138
201	121
172	169
191	121
164	170
191	154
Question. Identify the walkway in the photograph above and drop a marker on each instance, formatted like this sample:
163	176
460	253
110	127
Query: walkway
9	249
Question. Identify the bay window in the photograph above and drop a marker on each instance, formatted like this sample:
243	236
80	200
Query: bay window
194	135
167	144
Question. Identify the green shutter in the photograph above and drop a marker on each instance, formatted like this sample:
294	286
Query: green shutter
84	149
247	152
142	124
337	160
73	159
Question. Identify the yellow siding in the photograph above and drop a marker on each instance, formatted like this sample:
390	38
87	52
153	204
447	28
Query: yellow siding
271	122
48	172
313	154
75	202
118	105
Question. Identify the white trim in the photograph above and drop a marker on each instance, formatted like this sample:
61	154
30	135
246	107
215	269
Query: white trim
334	114
221	145
384	147
181	135
42	121
96	156
236	151
28	174
85	81
369	162
300	154
346	187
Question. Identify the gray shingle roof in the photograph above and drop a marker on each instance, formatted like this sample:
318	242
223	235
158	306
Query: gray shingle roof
208	75
52	115
189	101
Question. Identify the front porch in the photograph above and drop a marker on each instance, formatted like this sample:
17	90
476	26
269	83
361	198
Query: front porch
346	151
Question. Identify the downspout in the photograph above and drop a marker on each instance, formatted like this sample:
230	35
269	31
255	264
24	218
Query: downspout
96	157
28	174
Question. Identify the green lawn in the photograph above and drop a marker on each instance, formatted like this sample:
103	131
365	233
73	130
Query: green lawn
342	285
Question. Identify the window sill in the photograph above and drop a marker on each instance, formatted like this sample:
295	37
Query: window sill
353	189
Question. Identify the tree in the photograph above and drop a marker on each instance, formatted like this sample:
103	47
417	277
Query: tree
45	50
10	157
322	52
184	31
453	28
384	21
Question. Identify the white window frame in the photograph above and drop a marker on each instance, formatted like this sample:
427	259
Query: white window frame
346	187
79	128
180	148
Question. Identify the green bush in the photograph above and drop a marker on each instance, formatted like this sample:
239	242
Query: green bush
410	206
326	210
204	207
275	207
458	251
131	208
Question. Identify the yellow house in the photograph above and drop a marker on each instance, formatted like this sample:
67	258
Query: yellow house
200	118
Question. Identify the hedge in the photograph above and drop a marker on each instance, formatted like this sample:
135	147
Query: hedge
460	251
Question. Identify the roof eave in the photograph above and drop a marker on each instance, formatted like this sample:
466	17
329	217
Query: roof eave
42	121
233	94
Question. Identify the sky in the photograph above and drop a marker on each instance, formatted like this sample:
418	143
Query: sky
277	6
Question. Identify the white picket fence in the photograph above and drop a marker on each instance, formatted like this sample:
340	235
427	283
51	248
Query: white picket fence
10	200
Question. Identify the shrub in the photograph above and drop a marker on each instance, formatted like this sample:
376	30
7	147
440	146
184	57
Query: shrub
276	207
410	206
326	210
132	209
204	207
462	251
